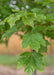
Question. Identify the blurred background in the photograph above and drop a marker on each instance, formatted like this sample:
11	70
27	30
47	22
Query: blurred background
9	55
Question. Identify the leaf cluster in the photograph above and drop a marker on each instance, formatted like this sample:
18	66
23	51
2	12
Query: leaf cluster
35	20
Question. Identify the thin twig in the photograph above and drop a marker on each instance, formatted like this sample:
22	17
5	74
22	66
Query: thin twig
29	29
22	27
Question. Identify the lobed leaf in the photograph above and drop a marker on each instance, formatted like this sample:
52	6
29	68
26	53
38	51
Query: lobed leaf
31	61
34	41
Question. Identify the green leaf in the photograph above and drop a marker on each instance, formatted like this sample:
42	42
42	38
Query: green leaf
34	41
44	1
31	61
39	61
26	40
50	27
40	17
50	17
36	10
22	59
50	34
13	19
47	43
38	28
28	21
38	0
43	49
8	34
22	13
5	20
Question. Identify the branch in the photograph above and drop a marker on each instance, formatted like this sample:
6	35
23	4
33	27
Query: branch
29	29
22	27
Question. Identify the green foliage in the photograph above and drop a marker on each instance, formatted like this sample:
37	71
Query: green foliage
31	61
44	49
29	40
9	33
51	27
35	18
44	1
